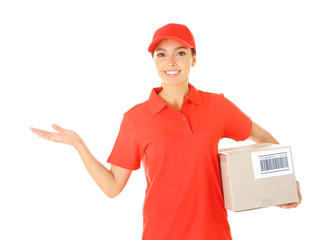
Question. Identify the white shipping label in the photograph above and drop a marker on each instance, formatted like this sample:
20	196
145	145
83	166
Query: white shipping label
271	163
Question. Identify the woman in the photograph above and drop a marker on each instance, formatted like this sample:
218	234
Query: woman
175	134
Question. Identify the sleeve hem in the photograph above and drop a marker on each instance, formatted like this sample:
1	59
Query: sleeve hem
249	132
122	165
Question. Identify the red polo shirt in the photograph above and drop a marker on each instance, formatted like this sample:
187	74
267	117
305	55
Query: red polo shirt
179	152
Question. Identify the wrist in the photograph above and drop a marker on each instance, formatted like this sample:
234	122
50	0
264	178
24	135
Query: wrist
78	144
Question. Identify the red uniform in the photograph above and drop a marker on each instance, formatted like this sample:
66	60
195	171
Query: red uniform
179	152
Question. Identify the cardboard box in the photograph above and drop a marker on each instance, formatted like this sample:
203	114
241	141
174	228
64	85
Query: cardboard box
256	176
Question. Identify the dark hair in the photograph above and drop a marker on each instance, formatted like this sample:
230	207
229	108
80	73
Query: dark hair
193	51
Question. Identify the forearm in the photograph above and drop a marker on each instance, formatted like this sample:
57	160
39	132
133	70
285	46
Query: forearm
110	181
102	176
265	139
260	135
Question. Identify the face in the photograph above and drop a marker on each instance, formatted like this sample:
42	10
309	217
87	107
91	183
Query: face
173	62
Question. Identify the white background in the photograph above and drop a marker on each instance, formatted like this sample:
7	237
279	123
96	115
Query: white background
82	64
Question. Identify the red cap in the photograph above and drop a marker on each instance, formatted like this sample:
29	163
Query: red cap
177	32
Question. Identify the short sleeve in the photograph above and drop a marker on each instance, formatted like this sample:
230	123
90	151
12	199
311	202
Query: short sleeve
126	152
238	125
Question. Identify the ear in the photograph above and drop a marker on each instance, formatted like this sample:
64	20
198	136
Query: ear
193	61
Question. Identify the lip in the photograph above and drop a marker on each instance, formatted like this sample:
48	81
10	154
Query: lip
172	73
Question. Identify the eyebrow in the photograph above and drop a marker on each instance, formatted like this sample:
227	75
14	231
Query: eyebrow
162	49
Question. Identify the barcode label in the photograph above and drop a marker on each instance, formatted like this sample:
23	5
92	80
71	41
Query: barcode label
277	161
272	163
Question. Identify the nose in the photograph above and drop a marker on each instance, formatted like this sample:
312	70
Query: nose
171	61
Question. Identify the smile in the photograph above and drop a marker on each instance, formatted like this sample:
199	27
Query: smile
172	73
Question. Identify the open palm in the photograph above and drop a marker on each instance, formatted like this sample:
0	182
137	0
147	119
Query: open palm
61	136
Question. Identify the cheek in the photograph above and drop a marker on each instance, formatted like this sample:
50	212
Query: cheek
158	68
159	64
187	64
157	61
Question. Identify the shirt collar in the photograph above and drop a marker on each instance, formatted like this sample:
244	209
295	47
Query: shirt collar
156	103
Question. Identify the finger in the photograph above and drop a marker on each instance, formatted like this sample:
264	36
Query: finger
51	136
45	134
58	128
290	205
32	129
299	191
299	195
38	131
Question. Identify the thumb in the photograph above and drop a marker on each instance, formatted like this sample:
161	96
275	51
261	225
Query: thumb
58	128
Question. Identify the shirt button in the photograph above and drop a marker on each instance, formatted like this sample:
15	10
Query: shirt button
184	118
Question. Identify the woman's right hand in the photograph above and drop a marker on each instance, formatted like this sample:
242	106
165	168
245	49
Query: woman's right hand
61	136
110	181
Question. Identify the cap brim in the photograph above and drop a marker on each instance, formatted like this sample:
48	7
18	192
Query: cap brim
154	43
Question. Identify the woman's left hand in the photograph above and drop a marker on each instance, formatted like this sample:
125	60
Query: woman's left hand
294	205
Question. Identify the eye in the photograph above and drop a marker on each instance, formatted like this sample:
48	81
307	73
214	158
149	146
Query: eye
181	53
160	55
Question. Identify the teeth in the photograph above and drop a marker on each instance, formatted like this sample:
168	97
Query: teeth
172	72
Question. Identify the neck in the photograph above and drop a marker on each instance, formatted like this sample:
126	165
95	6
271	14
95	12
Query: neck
175	94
